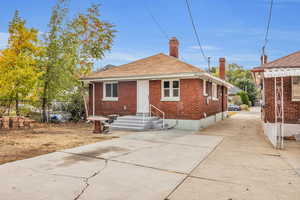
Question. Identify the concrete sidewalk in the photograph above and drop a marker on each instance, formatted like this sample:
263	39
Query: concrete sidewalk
244	166
140	166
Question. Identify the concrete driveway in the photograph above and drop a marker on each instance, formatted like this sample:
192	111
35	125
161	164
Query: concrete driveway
244	166
148	165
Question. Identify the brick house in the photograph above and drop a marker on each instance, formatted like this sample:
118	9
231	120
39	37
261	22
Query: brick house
279	81
183	95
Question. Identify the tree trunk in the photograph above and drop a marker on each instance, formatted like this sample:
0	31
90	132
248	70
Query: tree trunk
9	105
17	105
44	103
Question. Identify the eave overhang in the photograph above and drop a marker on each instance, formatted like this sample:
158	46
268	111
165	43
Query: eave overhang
189	75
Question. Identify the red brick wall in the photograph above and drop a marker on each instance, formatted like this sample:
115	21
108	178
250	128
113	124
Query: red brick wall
291	108
192	104
126	104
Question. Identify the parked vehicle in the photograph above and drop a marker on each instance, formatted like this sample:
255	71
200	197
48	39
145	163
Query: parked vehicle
60	117
233	107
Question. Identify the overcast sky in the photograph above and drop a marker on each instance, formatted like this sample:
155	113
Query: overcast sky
227	28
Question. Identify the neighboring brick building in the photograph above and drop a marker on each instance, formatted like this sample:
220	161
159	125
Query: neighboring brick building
280	86
189	97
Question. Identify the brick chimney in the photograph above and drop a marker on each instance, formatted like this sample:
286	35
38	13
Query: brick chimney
222	74
263	59
173	47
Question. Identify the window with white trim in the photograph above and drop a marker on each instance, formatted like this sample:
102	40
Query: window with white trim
214	91
110	91
296	88
170	90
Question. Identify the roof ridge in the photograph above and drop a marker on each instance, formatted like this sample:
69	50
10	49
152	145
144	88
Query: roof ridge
189	65
141	59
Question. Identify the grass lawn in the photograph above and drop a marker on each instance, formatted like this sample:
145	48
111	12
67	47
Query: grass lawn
21	144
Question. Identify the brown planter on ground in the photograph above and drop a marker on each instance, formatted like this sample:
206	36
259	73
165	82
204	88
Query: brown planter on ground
5	122
21	122
15	122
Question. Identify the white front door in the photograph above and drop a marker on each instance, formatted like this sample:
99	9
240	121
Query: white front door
142	96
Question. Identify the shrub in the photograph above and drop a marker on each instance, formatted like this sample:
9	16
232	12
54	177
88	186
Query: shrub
244	97
244	107
76	107
24	111
237	100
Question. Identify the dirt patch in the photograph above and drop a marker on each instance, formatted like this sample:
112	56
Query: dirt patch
21	144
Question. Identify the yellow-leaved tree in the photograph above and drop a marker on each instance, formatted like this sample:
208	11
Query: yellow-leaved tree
18	63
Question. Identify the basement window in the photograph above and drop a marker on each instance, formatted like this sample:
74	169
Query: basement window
170	90
110	91
296	88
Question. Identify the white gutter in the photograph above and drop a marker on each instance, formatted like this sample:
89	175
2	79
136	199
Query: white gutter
281	72
217	80
202	75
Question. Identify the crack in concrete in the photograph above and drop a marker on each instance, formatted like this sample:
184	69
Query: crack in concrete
86	180
189	174
145	166
216	180
128	163
296	170
133	151
165	142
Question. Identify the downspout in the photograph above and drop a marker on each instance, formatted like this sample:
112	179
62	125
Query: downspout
85	102
93	99
222	101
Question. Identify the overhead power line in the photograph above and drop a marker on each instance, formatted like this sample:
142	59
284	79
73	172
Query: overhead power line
268	27
195	31
160	28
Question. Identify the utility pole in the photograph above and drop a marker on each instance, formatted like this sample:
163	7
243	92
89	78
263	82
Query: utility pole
208	61
263	55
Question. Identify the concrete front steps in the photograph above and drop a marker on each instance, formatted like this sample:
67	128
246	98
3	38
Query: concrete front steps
137	123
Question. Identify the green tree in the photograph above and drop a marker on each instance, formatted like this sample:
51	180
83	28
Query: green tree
241	78
18	62
249	87
244	97
71	48
55	72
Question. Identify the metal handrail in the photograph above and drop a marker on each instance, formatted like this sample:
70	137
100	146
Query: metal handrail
163	114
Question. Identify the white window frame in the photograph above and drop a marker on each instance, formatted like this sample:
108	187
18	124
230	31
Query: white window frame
204	88
170	98
105	98
292	86
214	92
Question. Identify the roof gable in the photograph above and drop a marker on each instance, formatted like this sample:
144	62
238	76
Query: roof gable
159	64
